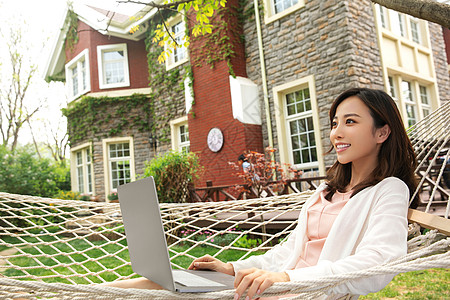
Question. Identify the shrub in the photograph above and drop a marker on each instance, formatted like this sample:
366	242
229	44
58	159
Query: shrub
173	171
264	172
22	172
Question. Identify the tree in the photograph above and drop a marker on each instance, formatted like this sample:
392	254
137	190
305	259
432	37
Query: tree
14	110
429	10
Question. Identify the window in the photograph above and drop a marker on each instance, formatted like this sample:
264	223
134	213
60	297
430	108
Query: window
281	5
180	134
415	31
396	23
113	66
414	100
381	13
77	75
424	98
179	54
184	138
276	9
300	126
410	104
83	176
119	164
392	90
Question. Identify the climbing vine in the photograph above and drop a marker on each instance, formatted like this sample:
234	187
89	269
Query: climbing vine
167	85
72	31
107	116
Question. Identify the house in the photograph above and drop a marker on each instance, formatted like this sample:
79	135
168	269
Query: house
263	78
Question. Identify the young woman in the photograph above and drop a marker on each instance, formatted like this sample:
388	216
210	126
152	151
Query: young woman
356	220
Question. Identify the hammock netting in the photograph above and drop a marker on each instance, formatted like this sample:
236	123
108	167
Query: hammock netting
51	248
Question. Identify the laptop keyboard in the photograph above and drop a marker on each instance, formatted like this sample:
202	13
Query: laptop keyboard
189	279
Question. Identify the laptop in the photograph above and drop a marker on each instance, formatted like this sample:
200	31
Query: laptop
147	243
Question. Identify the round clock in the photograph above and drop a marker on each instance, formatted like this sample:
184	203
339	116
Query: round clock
215	139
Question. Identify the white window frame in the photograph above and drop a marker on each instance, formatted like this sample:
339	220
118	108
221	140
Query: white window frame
170	63
269	10
107	162
175	134
101	76
415	84
282	119
391	16
85	164
76	62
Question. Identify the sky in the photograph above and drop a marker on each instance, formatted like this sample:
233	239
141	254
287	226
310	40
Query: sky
40	22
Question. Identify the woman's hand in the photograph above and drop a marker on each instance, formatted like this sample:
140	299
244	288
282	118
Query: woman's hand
210	263
257	281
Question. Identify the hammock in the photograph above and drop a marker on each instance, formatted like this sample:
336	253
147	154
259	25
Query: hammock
62	248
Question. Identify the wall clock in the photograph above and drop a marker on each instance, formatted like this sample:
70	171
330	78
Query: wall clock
215	139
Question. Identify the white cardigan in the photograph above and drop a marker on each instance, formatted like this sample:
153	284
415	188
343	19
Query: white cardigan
371	229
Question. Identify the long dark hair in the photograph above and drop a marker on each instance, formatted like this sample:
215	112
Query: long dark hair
396	157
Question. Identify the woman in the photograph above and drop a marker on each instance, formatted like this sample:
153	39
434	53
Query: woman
357	219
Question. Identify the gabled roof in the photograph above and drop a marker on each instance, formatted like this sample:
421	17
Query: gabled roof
105	22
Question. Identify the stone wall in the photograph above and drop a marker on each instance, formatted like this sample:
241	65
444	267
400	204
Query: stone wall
333	40
142	149
440	61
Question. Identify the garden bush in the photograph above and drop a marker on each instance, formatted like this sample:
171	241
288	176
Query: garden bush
173	171
23	172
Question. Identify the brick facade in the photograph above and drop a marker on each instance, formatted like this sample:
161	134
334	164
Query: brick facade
334	41
213	108
90	39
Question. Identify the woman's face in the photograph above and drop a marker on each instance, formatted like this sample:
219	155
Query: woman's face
353	134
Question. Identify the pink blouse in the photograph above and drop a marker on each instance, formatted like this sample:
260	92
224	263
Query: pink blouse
321	216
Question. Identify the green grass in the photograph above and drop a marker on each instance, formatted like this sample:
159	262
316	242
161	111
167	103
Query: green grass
102	265
428	284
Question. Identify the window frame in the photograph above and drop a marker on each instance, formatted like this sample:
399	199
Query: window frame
76	62
88	177
406	21
170	63
107	162
415	85
269	10
101	69
175	126
282	122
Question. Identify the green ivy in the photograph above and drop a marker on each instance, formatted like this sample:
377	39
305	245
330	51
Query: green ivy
72	31
167	85
86	115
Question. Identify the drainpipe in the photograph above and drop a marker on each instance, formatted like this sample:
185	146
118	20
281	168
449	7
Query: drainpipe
263	75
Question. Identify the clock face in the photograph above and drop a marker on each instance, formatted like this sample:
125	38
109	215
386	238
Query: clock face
215	139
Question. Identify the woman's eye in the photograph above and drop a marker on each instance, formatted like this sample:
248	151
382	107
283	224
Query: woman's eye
349	121
333	124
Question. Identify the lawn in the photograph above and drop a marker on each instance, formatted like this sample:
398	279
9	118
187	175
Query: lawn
418	285
429	284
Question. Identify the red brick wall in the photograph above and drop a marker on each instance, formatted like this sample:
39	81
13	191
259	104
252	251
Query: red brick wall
446	33
213	109
137	56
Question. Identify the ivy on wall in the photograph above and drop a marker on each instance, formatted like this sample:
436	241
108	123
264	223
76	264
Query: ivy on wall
167	85
87	116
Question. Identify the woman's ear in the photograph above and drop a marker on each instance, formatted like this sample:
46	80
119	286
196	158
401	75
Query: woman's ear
383	133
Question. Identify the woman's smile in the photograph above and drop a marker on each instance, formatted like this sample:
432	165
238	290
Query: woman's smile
341	147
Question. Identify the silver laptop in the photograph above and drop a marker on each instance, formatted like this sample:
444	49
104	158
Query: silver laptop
147	243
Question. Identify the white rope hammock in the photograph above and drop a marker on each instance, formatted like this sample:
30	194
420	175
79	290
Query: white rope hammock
61	248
